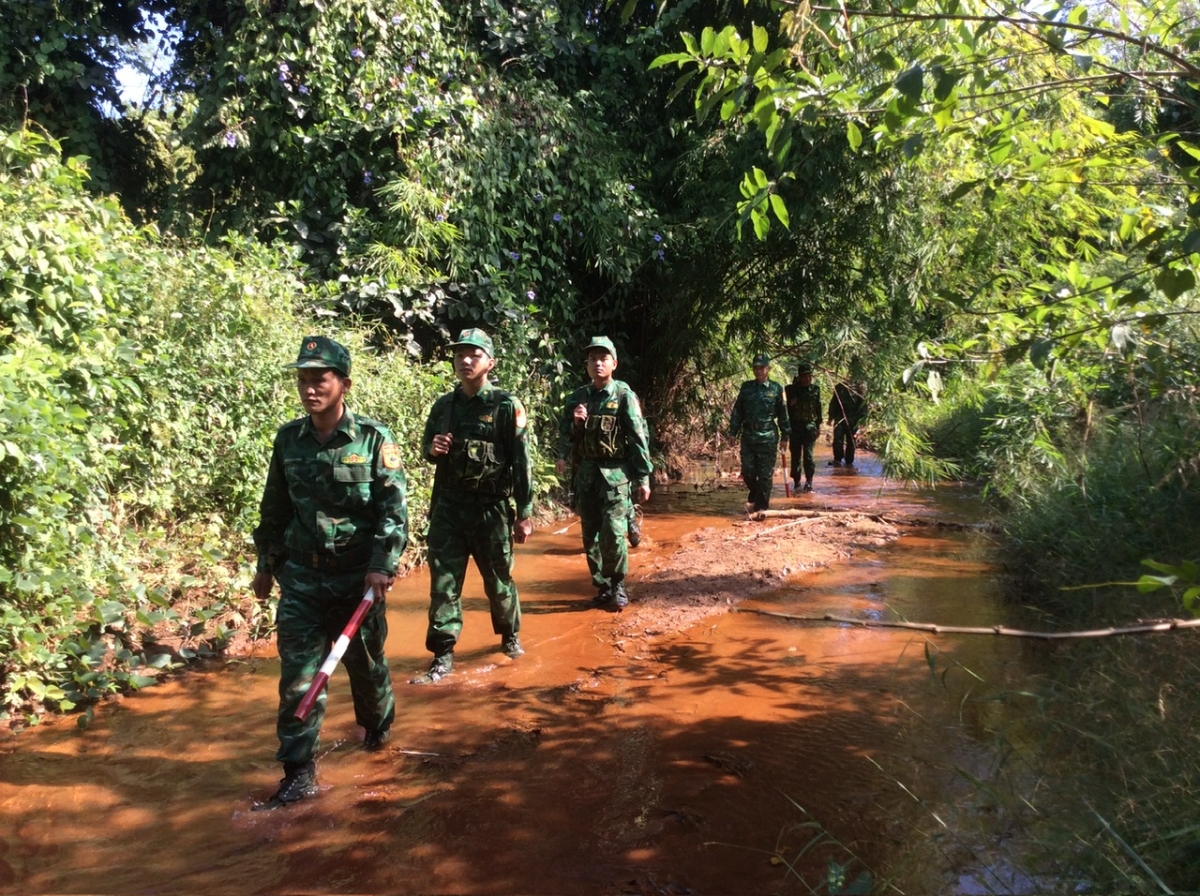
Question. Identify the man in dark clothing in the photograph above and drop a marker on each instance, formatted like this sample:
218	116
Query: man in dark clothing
334	521
847	407
804	414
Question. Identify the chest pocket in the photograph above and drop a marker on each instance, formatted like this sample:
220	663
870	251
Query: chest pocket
479	463
351	472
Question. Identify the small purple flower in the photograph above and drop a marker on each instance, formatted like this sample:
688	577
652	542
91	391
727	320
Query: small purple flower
581	234
396	20
556	217
417	110
661	254
538	197
439	217
408	69
283	67
658	237
283	76
425	55
357	53
241	79
514	255
366	176
230	139
631	187
531	295
368	106
303	89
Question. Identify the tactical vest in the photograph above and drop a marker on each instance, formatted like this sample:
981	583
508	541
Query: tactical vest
477	461
603	435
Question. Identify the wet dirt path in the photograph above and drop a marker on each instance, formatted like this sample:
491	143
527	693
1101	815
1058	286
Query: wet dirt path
617	756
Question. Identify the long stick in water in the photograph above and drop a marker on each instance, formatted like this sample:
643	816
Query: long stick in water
335	656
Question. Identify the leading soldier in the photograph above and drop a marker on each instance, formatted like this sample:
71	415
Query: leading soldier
334	521
760	417
476	436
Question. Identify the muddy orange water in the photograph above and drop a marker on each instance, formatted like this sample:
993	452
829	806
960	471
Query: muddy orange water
704	764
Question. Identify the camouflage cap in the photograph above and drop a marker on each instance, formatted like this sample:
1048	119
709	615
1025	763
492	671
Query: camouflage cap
321	351
477	338
761	360
601	342
804	368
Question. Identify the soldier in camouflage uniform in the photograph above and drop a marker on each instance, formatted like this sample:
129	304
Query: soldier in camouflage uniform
760	418
477	437
604	422
334	521
804	412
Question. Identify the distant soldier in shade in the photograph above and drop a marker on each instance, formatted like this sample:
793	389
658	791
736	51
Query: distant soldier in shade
804	412
847	407
334	521
477	437
760	417
603	424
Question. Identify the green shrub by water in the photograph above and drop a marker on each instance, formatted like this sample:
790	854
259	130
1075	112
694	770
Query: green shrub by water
141	383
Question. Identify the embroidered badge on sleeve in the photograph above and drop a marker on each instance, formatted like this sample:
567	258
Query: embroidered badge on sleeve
390	455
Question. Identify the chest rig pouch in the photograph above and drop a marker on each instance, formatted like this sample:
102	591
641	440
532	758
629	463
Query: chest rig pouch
603	438
478	462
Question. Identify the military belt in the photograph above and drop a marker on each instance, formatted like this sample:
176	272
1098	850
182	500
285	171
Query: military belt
606	461
355	558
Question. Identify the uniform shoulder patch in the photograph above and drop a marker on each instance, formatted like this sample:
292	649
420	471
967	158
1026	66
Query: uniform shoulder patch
389	454
519	418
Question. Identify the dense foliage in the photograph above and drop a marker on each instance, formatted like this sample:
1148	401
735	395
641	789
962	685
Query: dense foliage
140	384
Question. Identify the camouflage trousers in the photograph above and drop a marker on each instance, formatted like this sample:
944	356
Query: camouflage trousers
313	609
465	525
802	443
758	458
604	513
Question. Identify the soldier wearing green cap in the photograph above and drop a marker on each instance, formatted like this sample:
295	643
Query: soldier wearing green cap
602	424
803	398
759	417
334	521
477	437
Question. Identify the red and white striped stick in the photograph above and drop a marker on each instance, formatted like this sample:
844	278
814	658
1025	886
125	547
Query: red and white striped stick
335	657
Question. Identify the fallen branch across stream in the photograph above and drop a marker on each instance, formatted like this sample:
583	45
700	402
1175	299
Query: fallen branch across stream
762	515
1162	625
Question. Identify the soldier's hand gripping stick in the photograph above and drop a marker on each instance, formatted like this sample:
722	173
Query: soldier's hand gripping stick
335	656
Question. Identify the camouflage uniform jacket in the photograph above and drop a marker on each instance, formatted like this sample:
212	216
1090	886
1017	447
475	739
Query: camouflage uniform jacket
759	413
344	496
490	452
614	437
804	406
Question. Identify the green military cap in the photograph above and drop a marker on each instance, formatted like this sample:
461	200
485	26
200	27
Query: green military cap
477	338
761	360
804	367
321	351
602	342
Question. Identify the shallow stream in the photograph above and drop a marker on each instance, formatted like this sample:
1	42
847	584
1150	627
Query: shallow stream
703	764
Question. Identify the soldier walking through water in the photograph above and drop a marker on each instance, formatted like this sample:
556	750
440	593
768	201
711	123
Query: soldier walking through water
804	413
334	521
847	407
477	437
603	423
760	417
